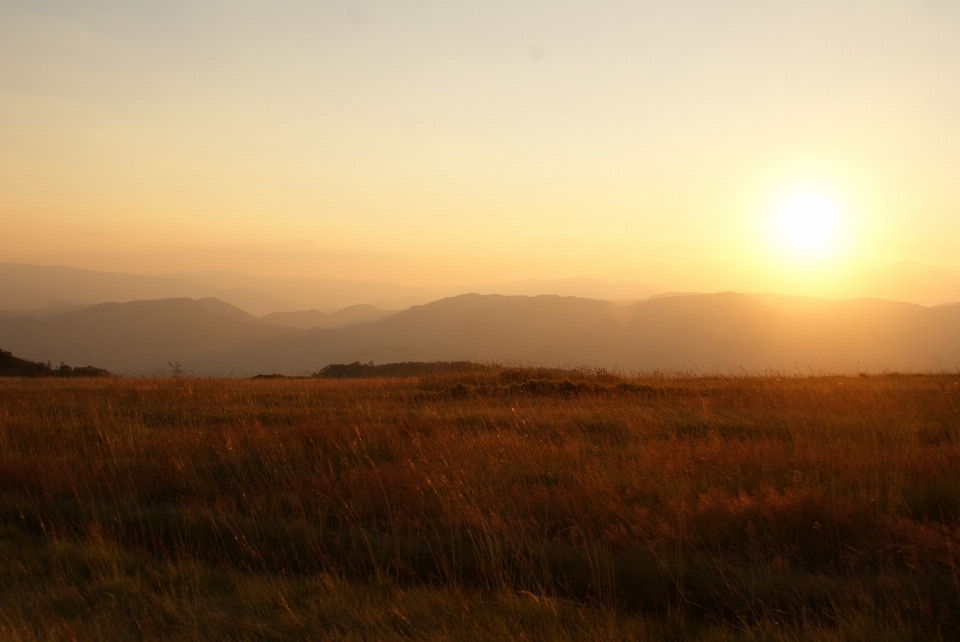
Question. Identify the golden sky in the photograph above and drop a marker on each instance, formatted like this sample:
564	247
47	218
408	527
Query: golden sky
442	143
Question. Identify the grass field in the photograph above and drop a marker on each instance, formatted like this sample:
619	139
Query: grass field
497	503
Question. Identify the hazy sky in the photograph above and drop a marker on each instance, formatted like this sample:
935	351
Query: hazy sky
456	142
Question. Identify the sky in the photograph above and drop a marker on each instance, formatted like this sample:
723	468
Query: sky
795	147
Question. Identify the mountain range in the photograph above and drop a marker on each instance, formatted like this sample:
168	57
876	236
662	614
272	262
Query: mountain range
38	290
699	333
316	319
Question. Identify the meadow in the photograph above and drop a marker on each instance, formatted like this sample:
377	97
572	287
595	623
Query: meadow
485	503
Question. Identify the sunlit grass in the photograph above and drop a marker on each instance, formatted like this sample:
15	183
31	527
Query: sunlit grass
481	506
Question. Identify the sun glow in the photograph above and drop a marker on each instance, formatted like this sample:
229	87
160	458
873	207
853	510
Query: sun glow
808	224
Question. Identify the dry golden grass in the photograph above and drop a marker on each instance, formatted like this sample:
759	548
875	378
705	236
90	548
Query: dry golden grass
481	506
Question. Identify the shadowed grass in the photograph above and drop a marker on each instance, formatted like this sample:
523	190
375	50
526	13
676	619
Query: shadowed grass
724	508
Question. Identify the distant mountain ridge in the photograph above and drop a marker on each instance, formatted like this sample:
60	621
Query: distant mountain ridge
29	289
316	319
704	333
32	287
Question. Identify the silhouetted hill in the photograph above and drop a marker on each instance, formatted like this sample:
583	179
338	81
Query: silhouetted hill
357	370
316	319
706	333
11	366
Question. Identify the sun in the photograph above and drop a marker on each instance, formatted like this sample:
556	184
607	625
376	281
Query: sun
808	224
